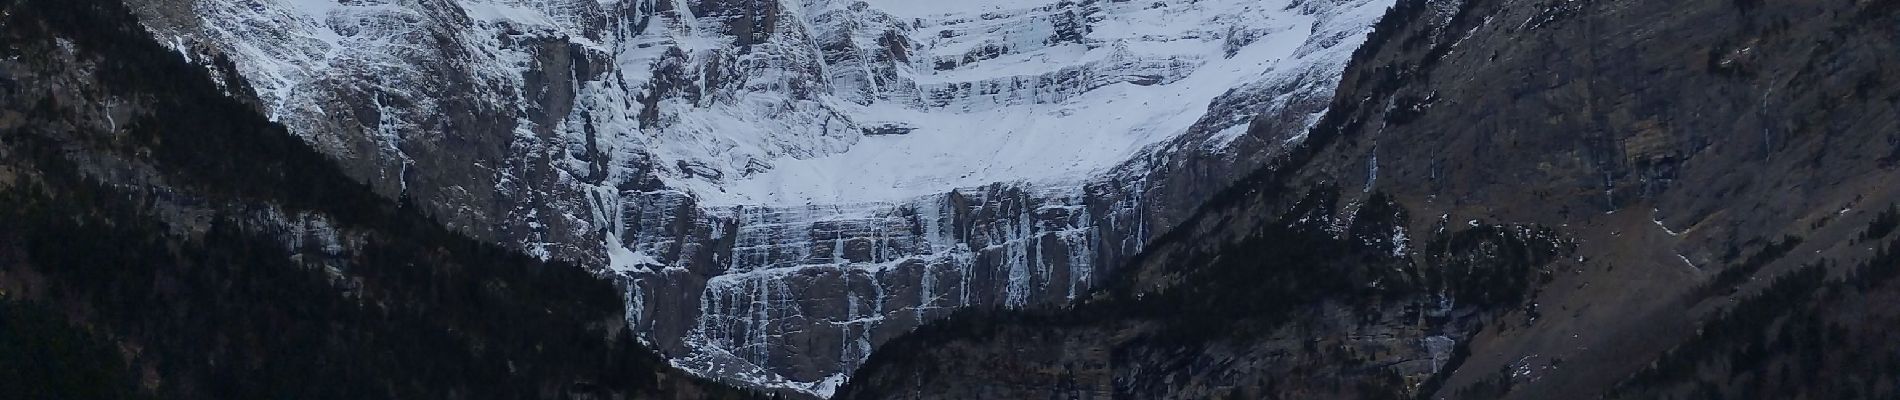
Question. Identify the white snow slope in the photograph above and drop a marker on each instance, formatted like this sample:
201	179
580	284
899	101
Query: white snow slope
743	105
1026	132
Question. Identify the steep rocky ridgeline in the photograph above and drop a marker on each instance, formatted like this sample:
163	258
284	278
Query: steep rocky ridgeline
159	239
780	186
1722	169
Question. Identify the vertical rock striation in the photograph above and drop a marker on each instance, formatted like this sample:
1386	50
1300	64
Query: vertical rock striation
780	186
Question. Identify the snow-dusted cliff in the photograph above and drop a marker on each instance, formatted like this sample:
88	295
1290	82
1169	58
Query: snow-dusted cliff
782	185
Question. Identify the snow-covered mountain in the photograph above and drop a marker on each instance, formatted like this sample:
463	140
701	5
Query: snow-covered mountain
782	185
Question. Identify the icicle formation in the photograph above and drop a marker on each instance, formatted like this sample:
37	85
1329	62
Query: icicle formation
811	283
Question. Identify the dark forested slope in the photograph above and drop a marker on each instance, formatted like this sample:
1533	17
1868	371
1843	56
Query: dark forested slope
159	239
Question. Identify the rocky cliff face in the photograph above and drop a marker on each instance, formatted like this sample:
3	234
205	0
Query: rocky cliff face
1720	167
781	186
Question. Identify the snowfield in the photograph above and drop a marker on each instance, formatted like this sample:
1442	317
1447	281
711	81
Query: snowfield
1030	136
805	151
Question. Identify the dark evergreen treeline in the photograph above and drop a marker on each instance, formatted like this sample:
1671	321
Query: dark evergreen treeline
104	299
1803	336
231	316
1743	325
1730	279
192	128
44	357
1883	224
1277	270
1299	262
1491	265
